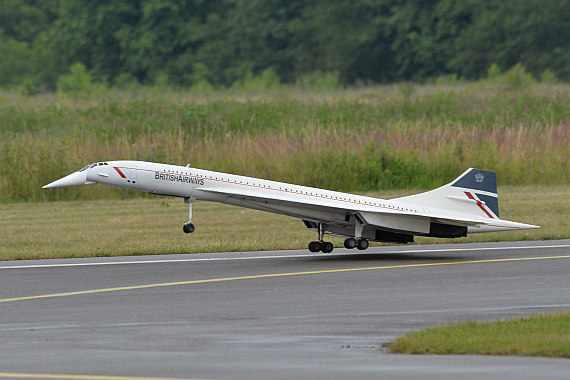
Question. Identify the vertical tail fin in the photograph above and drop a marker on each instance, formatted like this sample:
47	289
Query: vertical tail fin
473	192
480	185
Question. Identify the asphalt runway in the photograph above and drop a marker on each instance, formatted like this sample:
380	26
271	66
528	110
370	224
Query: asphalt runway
273	315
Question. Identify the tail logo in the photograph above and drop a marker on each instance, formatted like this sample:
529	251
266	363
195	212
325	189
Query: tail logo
479	177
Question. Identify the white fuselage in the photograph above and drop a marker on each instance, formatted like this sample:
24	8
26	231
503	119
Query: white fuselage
186	182
307	203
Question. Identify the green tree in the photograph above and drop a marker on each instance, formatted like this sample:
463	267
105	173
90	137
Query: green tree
15	64
77	81
348	37
89	31
248	36
24	60
24	20
422	35
533	32
227	40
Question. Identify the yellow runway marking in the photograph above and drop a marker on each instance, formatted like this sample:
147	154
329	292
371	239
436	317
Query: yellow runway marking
136	287
79	377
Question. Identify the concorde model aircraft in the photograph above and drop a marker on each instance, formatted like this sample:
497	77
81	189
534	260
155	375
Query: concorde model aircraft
469	204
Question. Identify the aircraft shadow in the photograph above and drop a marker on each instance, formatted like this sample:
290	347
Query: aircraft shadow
387	257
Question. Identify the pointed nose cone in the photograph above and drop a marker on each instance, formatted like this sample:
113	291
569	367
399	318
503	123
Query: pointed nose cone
74	179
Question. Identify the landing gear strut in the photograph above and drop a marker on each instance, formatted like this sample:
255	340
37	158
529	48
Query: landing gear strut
320	245
188	226
357	241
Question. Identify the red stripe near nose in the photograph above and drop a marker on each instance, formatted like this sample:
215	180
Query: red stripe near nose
120	172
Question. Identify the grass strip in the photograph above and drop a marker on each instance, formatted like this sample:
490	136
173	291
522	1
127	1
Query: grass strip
154	226
541	335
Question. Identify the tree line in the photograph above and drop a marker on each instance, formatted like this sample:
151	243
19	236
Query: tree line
222	42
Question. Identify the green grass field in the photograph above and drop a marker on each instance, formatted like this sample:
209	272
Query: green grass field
154	225
543	335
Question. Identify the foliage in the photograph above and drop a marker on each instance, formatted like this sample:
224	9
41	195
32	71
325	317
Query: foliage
407	89
548	76
14	65
76	82
268	80
320	81
220	43
200	83
494	72
125	81
372	138
450	79
514	78
517	77
529	32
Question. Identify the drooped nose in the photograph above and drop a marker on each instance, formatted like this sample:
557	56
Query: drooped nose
74	179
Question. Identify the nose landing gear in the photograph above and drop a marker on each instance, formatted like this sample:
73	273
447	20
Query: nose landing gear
188	226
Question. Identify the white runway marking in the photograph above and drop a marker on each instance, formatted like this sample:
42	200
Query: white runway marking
269	257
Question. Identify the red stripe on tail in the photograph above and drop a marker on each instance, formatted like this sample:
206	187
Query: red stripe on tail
479	203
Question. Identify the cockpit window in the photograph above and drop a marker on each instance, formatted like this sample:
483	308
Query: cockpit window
93	165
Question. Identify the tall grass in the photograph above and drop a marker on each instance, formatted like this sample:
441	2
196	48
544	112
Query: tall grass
365	139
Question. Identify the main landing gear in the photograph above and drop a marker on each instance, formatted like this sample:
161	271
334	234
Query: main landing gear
327	247
361	244
320	245
323	246
357	241
188	226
